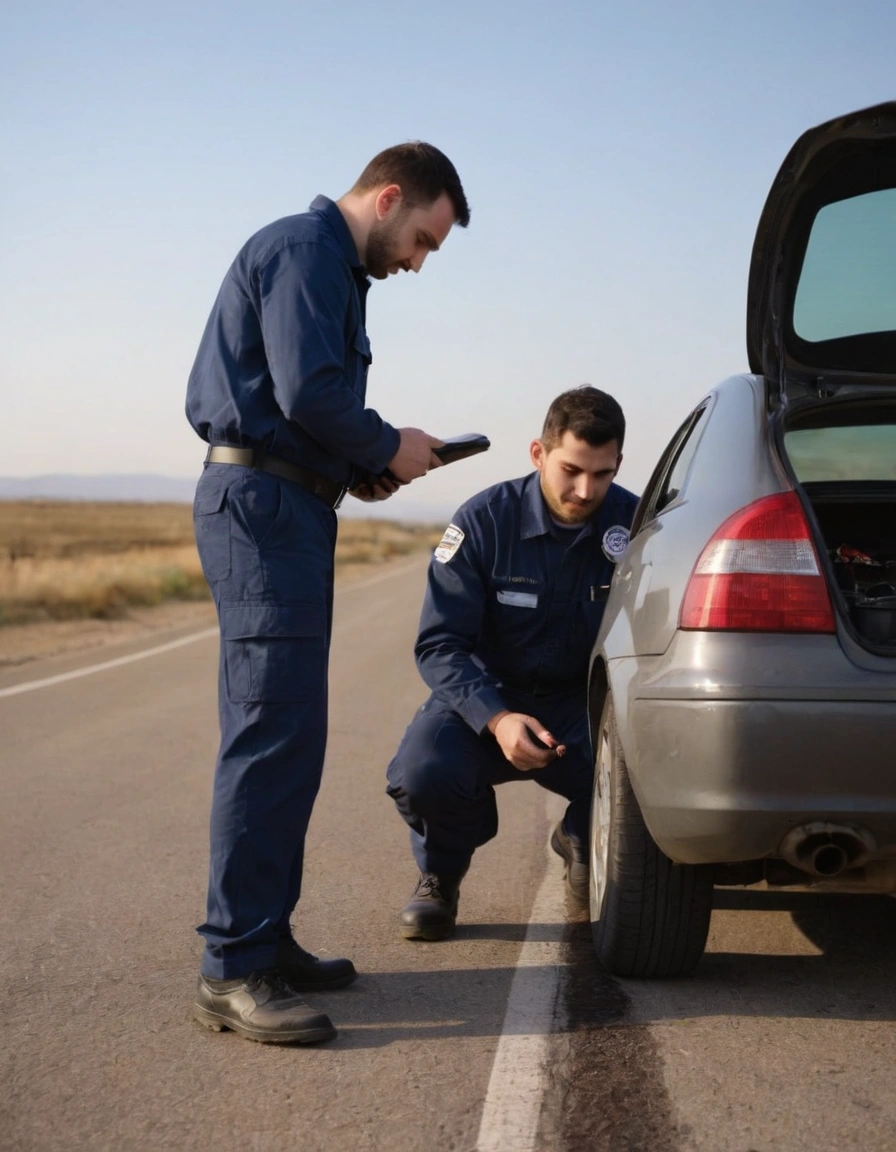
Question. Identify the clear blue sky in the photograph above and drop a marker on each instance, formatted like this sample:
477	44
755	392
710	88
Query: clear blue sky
616	157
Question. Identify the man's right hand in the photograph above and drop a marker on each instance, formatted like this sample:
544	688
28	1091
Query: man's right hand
514	732
414	457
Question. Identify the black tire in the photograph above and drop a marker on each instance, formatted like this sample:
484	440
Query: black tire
649	917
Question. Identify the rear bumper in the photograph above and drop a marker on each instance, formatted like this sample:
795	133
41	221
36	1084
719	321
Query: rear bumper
723	771
726	780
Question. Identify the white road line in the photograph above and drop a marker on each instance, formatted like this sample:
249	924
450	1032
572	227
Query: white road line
516	1087
32	685
49	681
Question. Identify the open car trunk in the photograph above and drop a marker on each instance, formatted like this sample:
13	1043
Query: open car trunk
843	454
858	525
821	329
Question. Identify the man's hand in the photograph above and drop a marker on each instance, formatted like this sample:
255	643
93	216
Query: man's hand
514	732
370	490
414	457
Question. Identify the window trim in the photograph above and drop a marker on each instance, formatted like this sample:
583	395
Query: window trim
647	510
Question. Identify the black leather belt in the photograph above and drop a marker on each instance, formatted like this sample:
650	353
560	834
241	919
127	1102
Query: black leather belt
327	490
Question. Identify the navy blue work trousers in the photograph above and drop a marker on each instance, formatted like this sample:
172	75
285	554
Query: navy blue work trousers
266	547
443	777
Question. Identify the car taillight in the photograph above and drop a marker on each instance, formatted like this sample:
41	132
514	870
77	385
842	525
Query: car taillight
760	573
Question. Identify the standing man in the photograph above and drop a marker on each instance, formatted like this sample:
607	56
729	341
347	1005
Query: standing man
515	596
278	392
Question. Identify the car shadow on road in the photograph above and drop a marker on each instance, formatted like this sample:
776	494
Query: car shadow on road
832	960
438	994
385	1008
844	971
519	932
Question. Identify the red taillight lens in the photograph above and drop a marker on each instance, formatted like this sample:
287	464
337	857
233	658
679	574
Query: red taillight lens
760	573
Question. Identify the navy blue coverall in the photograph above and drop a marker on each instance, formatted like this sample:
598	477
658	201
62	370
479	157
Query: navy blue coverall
511	611
282	366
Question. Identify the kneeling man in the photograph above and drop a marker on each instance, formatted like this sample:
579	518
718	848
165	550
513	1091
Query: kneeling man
515	595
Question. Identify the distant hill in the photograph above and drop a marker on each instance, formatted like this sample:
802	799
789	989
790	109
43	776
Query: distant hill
139	487
146	488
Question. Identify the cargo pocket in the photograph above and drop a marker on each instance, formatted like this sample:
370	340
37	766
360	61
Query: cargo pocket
274	655
211	525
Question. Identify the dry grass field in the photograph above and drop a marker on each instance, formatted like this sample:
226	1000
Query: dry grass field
62	561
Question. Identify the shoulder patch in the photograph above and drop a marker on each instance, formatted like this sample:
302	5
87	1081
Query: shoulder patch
615	542
449	544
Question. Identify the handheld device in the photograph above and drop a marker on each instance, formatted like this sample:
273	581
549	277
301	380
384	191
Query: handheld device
459	447
558	749
537	740
454	448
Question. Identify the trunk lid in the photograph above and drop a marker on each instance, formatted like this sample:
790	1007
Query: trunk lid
821	302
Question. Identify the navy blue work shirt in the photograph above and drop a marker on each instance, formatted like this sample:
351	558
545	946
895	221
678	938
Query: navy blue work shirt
513	601
283	360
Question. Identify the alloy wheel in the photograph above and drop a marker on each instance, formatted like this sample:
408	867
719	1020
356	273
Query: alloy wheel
600	823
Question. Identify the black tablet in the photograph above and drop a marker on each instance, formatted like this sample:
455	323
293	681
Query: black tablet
459	447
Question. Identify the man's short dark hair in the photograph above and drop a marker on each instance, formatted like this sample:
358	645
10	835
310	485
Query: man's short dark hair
588	413
422	172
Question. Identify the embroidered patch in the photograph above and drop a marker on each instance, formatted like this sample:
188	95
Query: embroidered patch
615	542
449	544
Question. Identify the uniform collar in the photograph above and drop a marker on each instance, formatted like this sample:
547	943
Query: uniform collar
329	209
535	519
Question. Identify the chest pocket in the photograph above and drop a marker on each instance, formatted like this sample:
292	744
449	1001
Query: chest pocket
363	359
591	604
515	619
362	346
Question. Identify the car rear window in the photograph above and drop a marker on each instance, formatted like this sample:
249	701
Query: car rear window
847	284
851	452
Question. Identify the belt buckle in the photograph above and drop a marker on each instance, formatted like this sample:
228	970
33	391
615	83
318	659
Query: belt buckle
324	489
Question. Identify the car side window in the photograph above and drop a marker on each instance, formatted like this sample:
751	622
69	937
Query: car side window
669	475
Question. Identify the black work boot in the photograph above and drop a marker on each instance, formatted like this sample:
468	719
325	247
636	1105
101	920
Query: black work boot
306	973
575	857
263	1007
431	912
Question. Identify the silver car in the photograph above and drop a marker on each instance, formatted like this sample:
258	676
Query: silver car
743	684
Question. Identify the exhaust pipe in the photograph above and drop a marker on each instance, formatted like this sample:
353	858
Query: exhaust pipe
826	850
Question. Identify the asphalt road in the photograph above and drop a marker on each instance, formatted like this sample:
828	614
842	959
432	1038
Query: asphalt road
506	1038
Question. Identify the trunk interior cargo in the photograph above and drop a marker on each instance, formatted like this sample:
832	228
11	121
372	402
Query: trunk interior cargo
858	524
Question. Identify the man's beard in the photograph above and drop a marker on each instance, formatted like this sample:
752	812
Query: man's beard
565	512
381	248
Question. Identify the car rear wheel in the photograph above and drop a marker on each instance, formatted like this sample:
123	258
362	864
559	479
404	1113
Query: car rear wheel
649	917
